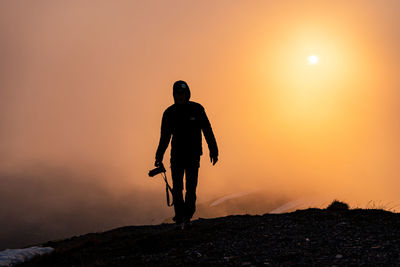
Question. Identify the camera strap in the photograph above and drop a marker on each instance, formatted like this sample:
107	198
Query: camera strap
168	190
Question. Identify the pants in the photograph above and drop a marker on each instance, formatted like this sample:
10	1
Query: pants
184	209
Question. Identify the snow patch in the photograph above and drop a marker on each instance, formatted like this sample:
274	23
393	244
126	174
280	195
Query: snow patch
303	203
11	257
225	198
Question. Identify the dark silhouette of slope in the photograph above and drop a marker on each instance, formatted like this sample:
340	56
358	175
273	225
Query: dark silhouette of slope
306	237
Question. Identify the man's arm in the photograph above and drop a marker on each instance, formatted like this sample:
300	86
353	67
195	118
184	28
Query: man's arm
210	138
164	139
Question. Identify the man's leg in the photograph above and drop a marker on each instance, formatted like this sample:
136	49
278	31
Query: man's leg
192	173
177	181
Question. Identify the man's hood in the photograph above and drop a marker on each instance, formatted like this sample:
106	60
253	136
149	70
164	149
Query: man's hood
181	86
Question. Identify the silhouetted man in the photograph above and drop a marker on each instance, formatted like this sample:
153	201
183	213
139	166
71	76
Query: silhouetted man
184	121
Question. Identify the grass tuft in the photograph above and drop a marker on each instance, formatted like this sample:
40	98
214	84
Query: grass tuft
338	206
380	205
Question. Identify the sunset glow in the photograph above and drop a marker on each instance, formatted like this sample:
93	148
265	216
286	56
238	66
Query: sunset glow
313	59
303	98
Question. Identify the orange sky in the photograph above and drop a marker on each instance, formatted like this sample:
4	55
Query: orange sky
84	85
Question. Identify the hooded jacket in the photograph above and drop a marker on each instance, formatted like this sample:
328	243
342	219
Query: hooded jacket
184	123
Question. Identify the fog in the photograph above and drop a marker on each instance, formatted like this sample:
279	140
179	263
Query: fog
83	87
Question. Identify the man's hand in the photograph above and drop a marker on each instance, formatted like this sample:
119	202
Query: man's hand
213	159
158	163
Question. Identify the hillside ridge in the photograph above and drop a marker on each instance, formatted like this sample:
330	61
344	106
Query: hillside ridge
303	237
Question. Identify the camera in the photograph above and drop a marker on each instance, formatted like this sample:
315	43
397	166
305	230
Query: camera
157	170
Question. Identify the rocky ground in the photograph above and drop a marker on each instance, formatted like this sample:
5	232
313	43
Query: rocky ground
306	237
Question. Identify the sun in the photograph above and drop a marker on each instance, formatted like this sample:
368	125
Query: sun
313	59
